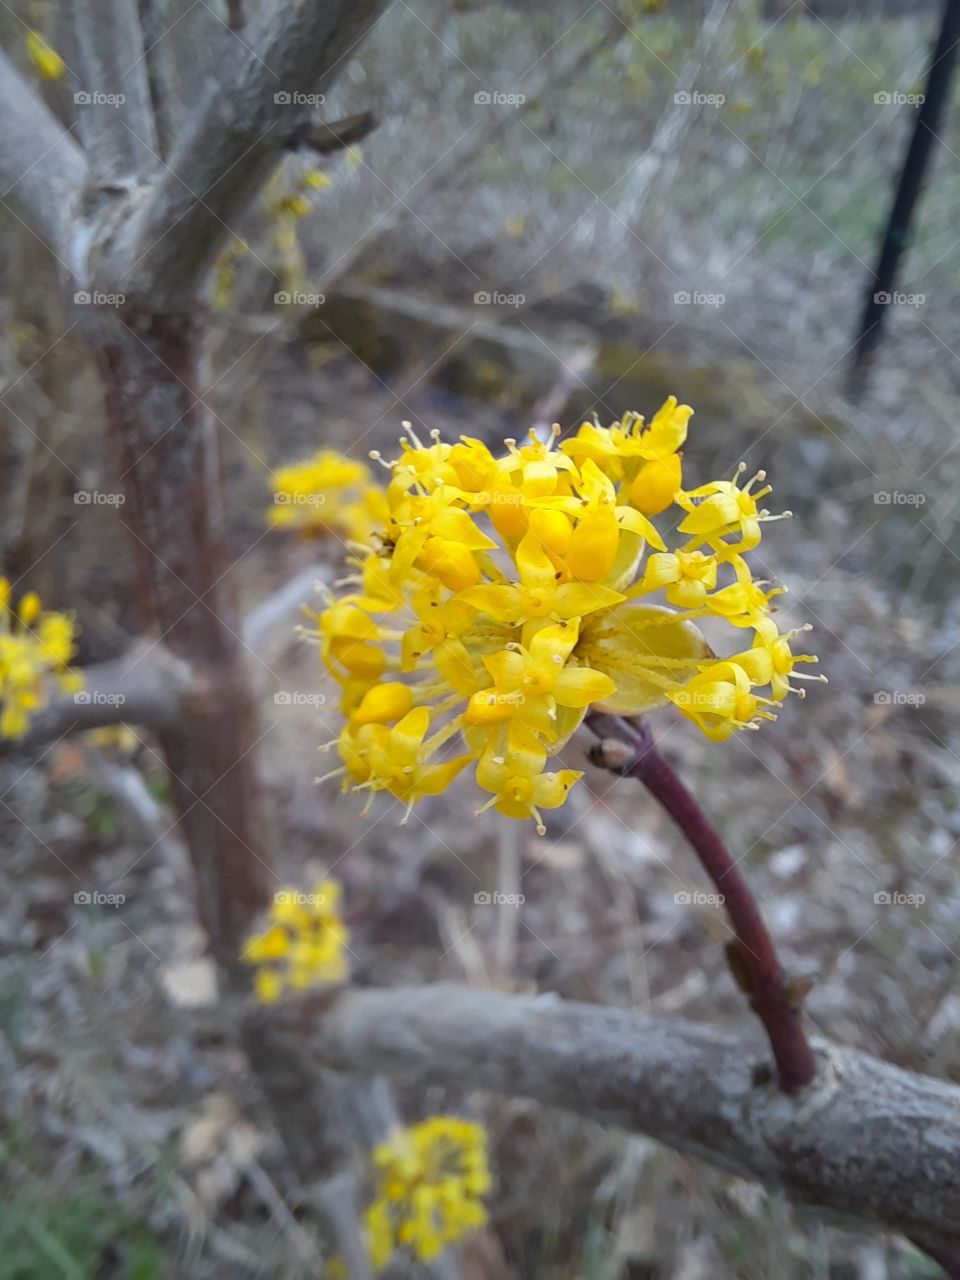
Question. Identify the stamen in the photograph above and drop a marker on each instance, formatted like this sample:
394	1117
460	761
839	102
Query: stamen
334	773
377	456
408	428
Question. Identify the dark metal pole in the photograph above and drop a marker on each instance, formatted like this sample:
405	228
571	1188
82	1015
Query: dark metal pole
897	235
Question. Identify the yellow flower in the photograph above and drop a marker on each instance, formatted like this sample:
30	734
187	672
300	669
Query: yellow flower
504	593
625	447
430	1179
541	594
720	701
302	945
34	647
529	685
328	493
721	509
394	760
45	58
519	785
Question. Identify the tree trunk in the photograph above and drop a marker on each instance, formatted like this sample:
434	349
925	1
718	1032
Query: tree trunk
165	440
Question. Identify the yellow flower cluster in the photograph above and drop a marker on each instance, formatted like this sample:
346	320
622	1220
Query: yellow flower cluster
328	494
34	645
303	945
429	1182
285	210
506	594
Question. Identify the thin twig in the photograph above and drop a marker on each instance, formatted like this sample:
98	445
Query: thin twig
326	138
754	960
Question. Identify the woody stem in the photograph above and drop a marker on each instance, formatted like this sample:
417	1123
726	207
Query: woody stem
755	961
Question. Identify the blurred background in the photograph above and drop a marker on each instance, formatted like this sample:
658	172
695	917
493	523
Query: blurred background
562	211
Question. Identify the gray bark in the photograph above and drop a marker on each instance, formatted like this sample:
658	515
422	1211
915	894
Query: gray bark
114	110
42	170
866	1142
145	686
291	52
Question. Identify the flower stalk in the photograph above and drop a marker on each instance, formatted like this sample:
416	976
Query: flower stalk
627	747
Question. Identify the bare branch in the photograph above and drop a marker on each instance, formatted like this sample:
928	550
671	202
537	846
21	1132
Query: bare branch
866	1141
42	170
288	54
163	78
145	686
114	110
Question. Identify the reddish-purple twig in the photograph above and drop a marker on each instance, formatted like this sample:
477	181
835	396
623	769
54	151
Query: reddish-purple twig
776	1002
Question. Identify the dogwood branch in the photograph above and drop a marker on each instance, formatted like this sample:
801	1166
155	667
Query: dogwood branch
628	748
42	170
866	1142
116	120
265	93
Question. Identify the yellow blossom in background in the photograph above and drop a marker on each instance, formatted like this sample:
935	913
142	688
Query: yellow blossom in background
430	1180
327	494
303	944
503	594
286	207
317	180
44	57
113	737
35	648
225	272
